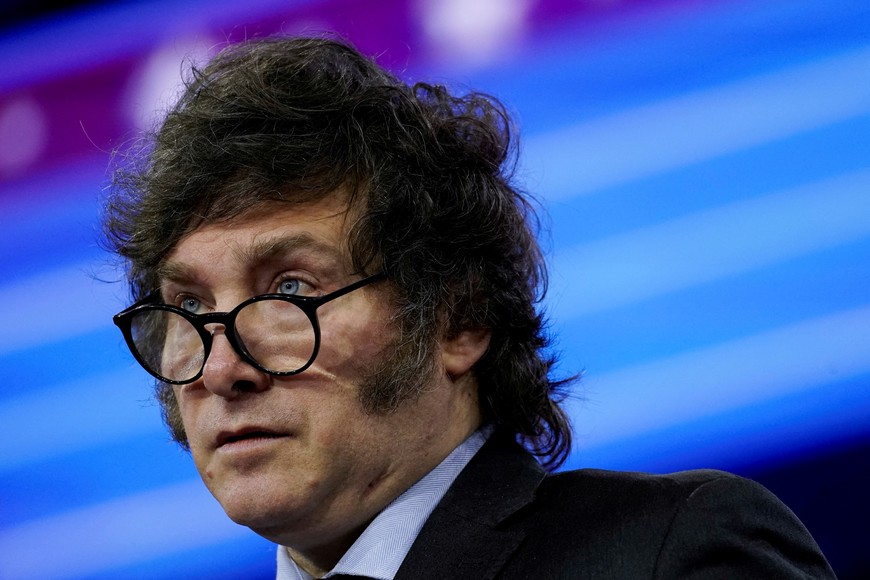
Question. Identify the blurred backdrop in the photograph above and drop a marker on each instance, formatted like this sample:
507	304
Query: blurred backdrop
705	165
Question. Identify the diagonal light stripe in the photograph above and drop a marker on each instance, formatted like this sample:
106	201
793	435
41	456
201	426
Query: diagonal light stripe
49	423
739	374
814	419
116	533
78	304
637	143
710	245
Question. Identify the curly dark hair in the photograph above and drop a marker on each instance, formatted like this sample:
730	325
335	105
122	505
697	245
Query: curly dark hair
295	120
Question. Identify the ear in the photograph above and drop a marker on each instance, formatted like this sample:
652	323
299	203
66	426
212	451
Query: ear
461	351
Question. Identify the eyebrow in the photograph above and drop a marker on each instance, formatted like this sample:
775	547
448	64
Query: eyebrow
174	272
268	249
261	251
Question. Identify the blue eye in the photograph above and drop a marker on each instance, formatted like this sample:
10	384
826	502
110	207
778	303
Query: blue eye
190	304
289	286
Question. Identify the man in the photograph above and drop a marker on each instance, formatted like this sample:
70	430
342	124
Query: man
335	285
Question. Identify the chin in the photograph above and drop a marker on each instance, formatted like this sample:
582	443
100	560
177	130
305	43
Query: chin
264	518
258	504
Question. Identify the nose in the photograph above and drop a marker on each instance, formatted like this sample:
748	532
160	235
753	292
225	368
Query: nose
226	374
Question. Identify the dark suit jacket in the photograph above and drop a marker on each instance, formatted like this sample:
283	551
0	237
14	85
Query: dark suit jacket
505	518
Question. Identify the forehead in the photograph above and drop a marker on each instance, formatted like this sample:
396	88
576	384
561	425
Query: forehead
267	230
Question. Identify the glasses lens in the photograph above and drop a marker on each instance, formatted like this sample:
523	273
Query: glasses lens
168	345
277	334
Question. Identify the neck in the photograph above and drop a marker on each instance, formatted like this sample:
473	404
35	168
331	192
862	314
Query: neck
319	560
317	549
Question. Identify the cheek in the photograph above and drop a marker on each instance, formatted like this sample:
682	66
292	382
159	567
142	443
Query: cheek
351	345
188	409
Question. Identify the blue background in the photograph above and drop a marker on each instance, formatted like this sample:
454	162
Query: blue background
705	167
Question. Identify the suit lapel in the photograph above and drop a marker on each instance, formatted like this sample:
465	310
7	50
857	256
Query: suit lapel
462	539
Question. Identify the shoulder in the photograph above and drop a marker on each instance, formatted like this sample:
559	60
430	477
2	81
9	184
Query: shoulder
601	481
652	491
700	523
638	508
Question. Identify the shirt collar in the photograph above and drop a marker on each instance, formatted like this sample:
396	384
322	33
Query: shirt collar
379	551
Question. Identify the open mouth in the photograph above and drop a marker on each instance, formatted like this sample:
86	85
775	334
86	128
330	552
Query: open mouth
252	435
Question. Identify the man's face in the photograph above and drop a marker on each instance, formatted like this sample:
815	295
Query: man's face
297	458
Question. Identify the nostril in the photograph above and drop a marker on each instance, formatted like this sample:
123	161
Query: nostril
244	386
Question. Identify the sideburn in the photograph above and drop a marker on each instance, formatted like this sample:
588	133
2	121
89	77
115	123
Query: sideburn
171	414
404	372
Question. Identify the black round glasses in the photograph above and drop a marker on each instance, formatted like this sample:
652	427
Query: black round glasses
278	334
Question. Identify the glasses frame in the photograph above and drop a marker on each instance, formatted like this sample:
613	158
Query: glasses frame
308	305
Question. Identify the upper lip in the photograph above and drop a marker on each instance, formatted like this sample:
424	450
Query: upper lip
229	436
